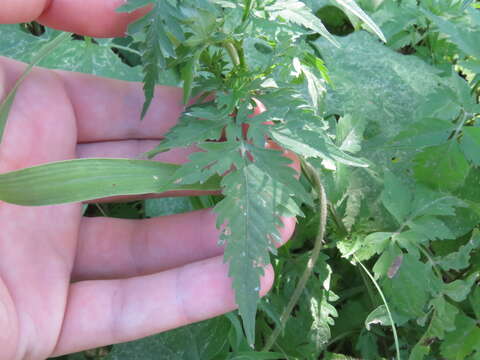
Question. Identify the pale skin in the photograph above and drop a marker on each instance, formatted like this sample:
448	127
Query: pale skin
69	283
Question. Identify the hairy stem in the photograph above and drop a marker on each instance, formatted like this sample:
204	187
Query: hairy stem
232	52
313	175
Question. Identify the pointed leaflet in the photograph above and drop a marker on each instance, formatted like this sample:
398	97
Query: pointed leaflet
352	6
297	12
160	26
250	210
197	124
460	259
312	144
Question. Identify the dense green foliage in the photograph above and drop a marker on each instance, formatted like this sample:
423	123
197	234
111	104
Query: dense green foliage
393	130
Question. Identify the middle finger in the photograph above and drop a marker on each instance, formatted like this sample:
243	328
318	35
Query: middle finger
117	248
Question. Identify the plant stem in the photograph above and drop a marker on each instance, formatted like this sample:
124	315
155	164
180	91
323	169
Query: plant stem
232	52
313	174
125	48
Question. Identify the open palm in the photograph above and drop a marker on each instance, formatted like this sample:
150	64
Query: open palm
69	283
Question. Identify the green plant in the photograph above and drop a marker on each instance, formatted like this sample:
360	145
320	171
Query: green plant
391	147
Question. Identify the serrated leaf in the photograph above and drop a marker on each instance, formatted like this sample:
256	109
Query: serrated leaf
197	124
460	259
206	163
373	244
310	144
88	179
251	209
378	316
297	12
351	5
458	290
159	29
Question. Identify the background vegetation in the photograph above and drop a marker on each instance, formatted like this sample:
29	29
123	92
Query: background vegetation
406	229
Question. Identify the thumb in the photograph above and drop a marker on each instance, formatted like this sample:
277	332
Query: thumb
15	11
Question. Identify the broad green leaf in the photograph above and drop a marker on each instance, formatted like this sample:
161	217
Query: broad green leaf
360	70
206	340
167	206
88	179
89	57
396	197
466	39
463	341
378	316
351	6
407	292
431	228
441	167
443	320
470	144
475	301
257	355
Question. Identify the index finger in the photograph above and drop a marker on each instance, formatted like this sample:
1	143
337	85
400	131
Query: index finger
86	17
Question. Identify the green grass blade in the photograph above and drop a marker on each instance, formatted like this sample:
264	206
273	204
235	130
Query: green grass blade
6	105
380	292
89	179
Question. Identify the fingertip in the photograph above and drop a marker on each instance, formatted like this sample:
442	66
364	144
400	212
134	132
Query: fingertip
15	11
288	229
266	281
90	17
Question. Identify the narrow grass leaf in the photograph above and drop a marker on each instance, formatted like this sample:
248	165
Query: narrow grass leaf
88	179
6	105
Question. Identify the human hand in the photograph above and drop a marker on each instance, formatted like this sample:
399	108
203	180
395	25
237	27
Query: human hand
69	283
